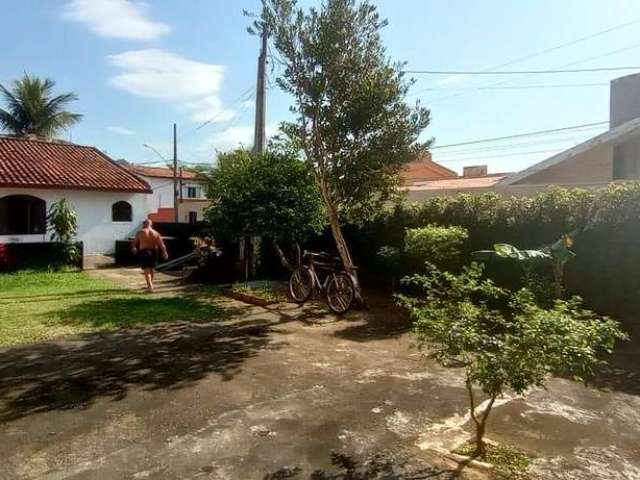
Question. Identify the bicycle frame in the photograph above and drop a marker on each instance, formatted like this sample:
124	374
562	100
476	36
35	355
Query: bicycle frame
317	284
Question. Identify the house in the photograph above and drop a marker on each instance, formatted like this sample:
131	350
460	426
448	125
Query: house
609	157
192	199
424	169
474	179
109	200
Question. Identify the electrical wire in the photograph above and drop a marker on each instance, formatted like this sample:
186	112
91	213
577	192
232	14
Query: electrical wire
518	72
519	135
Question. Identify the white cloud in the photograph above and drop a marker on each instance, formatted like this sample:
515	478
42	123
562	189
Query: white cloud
192	86
115	18
121	130
452	80
248	104
208	108
234	137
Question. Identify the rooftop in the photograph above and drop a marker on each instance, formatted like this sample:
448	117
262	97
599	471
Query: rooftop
458	183
36	163
161	172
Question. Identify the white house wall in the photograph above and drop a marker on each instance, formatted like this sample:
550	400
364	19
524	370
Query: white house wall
162	196
93	209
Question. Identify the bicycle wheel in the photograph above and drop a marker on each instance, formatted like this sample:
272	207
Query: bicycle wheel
301	285
340	293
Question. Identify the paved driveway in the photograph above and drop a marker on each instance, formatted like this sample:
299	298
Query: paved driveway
271	394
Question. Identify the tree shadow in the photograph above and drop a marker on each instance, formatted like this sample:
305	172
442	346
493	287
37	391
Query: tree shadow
76	371
381	319
378	466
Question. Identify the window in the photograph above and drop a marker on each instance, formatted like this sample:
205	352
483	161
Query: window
192	192
22	215
121	212
193	217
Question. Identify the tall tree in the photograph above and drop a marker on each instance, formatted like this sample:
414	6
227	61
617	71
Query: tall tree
32	109
268	195
351	119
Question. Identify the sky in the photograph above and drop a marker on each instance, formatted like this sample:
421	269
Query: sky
138	67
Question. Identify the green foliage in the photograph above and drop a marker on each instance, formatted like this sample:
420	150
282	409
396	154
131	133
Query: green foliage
434	243
31	108
351	118
503	339
270	195
63	224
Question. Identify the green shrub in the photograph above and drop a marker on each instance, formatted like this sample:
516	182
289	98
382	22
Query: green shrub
433	243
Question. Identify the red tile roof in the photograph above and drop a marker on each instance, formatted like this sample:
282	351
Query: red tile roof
163	215
425	169
161	172
28	163
459	183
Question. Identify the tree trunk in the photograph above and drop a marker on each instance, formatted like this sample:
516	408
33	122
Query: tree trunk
283	258
343	250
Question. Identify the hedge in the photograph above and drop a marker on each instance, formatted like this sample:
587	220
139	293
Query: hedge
605	272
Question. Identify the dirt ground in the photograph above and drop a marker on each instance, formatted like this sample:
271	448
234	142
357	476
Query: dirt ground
285	393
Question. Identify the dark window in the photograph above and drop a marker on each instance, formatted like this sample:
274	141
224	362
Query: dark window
193	217
192	192
121	212
22	215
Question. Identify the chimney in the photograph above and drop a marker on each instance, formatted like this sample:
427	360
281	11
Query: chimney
475	171
624	101
624	106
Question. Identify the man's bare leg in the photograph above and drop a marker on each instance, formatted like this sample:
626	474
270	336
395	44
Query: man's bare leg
148	278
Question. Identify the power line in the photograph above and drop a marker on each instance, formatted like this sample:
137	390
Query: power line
519	87
517	72
518	154
519	135
515	146
570	64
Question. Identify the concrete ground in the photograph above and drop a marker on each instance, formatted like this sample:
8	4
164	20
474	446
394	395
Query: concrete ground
284	393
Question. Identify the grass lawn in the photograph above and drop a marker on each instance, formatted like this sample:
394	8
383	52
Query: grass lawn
37	306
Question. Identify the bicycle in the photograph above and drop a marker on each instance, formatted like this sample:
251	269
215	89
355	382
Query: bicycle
337	284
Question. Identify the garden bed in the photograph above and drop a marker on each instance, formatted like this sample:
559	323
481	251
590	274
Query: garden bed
261	292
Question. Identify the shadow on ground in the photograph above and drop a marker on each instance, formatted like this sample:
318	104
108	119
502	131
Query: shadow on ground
346	467
74	372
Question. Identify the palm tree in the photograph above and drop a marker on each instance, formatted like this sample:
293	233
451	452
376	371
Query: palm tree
33	110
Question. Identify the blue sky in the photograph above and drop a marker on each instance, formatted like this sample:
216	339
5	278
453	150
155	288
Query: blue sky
140	66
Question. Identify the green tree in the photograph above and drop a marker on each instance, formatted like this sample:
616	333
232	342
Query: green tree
32	109
270	195
63	224
352	122
503	340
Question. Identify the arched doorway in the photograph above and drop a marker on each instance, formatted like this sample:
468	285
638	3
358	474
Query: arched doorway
22	215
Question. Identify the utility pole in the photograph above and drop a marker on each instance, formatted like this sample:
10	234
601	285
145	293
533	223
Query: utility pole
176	204
259	140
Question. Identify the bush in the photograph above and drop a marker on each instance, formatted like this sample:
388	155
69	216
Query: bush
438	245
604	272
503	339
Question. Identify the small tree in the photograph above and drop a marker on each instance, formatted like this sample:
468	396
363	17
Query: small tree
271	196
351	120
63	224
503	340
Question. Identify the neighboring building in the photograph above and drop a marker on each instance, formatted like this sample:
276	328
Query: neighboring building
110	201
424	169
474	179
192	200
611	156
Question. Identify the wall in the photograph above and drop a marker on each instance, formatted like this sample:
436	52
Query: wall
592	166
191	205
162	196
93	209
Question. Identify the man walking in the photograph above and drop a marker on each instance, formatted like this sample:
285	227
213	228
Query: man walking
146	244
